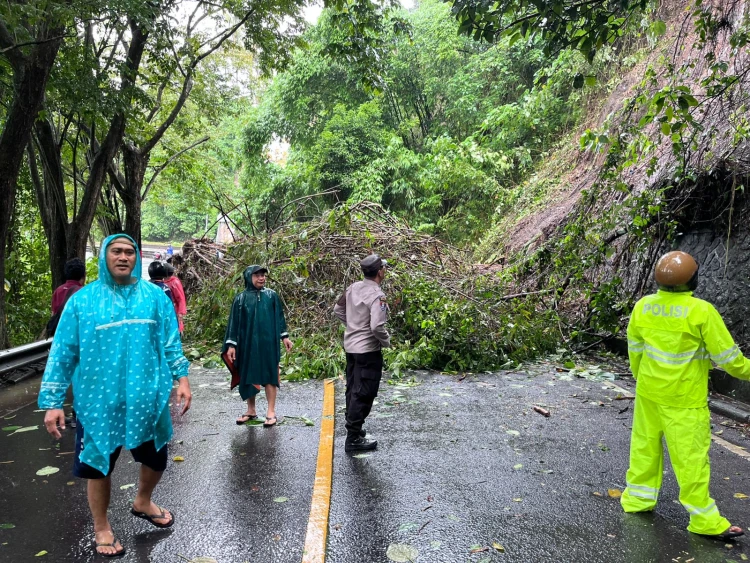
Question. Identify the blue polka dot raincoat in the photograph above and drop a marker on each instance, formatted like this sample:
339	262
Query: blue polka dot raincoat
119	346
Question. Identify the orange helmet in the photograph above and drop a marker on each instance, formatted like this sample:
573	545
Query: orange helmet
676	271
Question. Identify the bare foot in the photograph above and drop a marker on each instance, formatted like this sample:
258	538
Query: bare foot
106	543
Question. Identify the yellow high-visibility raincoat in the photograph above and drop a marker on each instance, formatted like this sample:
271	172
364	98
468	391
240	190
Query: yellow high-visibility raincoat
672	340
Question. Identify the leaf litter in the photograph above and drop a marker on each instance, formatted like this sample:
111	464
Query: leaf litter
402	553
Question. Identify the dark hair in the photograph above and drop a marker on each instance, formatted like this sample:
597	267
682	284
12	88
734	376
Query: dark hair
157	270
74	269
370	274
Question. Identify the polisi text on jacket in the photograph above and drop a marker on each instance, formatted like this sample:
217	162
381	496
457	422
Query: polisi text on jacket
673	311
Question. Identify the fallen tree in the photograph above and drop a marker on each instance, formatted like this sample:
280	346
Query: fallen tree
445	312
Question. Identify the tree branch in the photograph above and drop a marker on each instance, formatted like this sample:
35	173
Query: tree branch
222	37
187	86
5	50
166	163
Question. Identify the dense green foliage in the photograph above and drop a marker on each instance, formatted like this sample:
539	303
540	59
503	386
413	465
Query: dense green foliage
451	127
153	125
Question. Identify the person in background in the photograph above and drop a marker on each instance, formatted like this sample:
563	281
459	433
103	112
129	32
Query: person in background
364	311
672	339
118	345
157	272
170	251
178	295
75	277
255	329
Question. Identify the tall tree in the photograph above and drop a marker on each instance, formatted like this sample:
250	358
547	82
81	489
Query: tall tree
68	232
30	36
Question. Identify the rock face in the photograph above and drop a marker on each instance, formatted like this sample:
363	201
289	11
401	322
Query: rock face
725	277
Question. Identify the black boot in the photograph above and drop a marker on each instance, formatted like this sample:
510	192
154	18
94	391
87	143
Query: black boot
360	444
362	433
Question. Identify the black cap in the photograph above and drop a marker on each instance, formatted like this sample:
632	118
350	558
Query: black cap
372	263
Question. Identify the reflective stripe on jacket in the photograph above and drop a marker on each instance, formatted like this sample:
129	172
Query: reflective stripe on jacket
672	340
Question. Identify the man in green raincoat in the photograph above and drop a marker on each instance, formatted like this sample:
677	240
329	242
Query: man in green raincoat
251	345
118	344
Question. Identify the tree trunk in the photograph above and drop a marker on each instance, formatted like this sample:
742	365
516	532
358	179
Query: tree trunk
135	173
50	195
30	74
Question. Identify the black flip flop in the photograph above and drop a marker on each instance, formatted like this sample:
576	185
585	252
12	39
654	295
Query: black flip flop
726	536
151	518
115	554
248	416
268	424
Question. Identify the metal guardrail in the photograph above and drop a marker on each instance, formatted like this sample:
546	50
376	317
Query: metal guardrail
20	359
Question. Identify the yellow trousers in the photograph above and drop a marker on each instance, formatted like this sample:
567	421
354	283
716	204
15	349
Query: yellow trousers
688	436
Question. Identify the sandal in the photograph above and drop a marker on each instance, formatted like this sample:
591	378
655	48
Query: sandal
109	544
153	517
728	534
270	421
245	417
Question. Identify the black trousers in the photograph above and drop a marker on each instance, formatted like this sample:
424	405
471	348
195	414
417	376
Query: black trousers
363	373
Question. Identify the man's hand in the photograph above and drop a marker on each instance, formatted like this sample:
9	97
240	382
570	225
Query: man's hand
232	353
288	344
184	395
52	419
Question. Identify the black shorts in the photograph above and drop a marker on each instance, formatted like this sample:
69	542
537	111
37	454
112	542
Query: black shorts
145	453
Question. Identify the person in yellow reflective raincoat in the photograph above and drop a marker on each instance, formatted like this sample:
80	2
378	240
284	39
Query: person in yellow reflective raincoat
672	339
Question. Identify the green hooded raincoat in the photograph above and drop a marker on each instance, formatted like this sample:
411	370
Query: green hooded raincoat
256	328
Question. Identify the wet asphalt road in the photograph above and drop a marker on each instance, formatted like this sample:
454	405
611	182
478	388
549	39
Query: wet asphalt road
461	465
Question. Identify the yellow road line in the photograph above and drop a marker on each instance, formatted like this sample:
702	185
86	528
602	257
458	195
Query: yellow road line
317	526
731	447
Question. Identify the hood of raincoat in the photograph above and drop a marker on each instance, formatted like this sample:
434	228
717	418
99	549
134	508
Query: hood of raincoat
104	275
248	275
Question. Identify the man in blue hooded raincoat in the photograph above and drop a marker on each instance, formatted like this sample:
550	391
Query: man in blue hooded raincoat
118	344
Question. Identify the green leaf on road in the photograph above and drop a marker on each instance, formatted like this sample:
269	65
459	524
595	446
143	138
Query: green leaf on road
7	526
513	432
41	554
280	499
401	553
49	470
518	466
11	428
360	456
406	526
307	421
128	486
25	429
